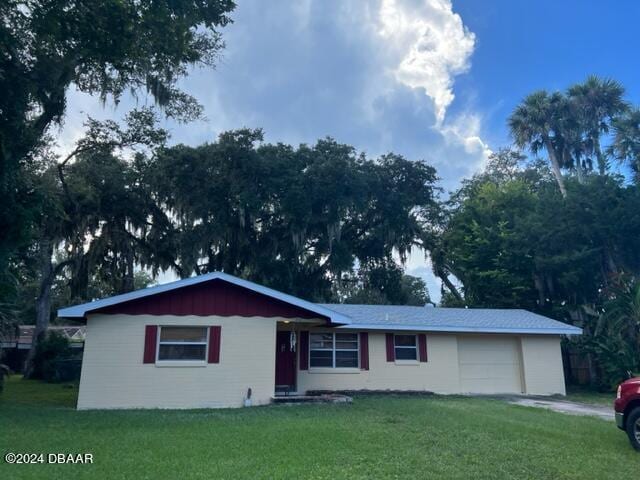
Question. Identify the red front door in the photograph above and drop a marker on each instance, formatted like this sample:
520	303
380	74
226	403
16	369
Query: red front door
285	361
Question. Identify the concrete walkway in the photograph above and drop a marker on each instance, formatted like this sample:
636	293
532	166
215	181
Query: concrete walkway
562	406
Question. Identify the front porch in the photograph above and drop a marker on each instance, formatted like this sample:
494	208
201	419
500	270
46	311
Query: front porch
286	378
289	342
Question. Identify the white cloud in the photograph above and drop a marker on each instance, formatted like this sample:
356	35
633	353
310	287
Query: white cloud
464	129
432	46
435	47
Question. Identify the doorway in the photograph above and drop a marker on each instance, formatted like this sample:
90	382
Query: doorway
285	362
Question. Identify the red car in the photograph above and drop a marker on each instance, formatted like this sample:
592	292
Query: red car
627	407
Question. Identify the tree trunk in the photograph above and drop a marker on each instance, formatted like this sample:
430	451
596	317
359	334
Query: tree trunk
555	166
602	163
43	303
450	286
579	171
539	286
128	277
610	263
568	368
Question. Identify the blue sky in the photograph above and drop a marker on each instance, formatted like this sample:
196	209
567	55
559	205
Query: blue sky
428	79
544	44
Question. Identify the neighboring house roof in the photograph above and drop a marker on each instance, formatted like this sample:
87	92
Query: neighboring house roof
435	319
80	311
24	335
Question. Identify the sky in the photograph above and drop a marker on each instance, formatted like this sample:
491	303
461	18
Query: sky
433	80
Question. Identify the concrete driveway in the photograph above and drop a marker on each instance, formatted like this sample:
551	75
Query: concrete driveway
563	406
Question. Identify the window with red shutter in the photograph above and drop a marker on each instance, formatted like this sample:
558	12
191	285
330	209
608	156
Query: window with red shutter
422	346
391	356
364	351
215	338
150	339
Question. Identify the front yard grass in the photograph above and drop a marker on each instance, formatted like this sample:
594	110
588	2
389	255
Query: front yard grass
375	437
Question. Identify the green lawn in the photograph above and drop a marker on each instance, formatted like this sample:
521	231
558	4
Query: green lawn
375	437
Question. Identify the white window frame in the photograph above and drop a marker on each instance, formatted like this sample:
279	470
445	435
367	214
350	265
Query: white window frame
184	361
334	349
415	348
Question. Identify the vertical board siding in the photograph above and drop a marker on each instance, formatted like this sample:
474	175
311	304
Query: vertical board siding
391	354
304	350
215	335
150	339
215	297
422	347
364	351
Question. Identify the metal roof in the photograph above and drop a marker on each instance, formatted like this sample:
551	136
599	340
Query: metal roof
368	317
435	319
79	311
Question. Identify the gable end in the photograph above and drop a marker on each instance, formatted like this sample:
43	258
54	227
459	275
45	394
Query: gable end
215	297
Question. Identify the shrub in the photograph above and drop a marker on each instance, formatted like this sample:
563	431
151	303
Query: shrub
616	340
53	355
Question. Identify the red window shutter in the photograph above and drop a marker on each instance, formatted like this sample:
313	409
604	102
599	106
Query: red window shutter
304	350
422	346
215	335
364	351
150	340
391	353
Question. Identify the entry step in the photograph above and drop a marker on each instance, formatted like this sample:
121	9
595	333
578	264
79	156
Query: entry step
294	398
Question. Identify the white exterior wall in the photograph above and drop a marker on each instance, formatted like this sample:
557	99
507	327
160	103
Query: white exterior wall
540	362
113	375
543	369
439	374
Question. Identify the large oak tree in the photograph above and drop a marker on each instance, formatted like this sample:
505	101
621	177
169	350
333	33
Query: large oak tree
102	47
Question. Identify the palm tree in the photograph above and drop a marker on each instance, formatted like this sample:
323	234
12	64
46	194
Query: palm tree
536	124
626	140
597	102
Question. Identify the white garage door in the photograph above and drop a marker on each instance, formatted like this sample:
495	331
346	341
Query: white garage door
489	364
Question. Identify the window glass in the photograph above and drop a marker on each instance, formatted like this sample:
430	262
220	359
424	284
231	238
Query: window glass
346	359
183	334
182	352
405	340
321	340
405	353
333	350
182	343
321	358
346	341
405	347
